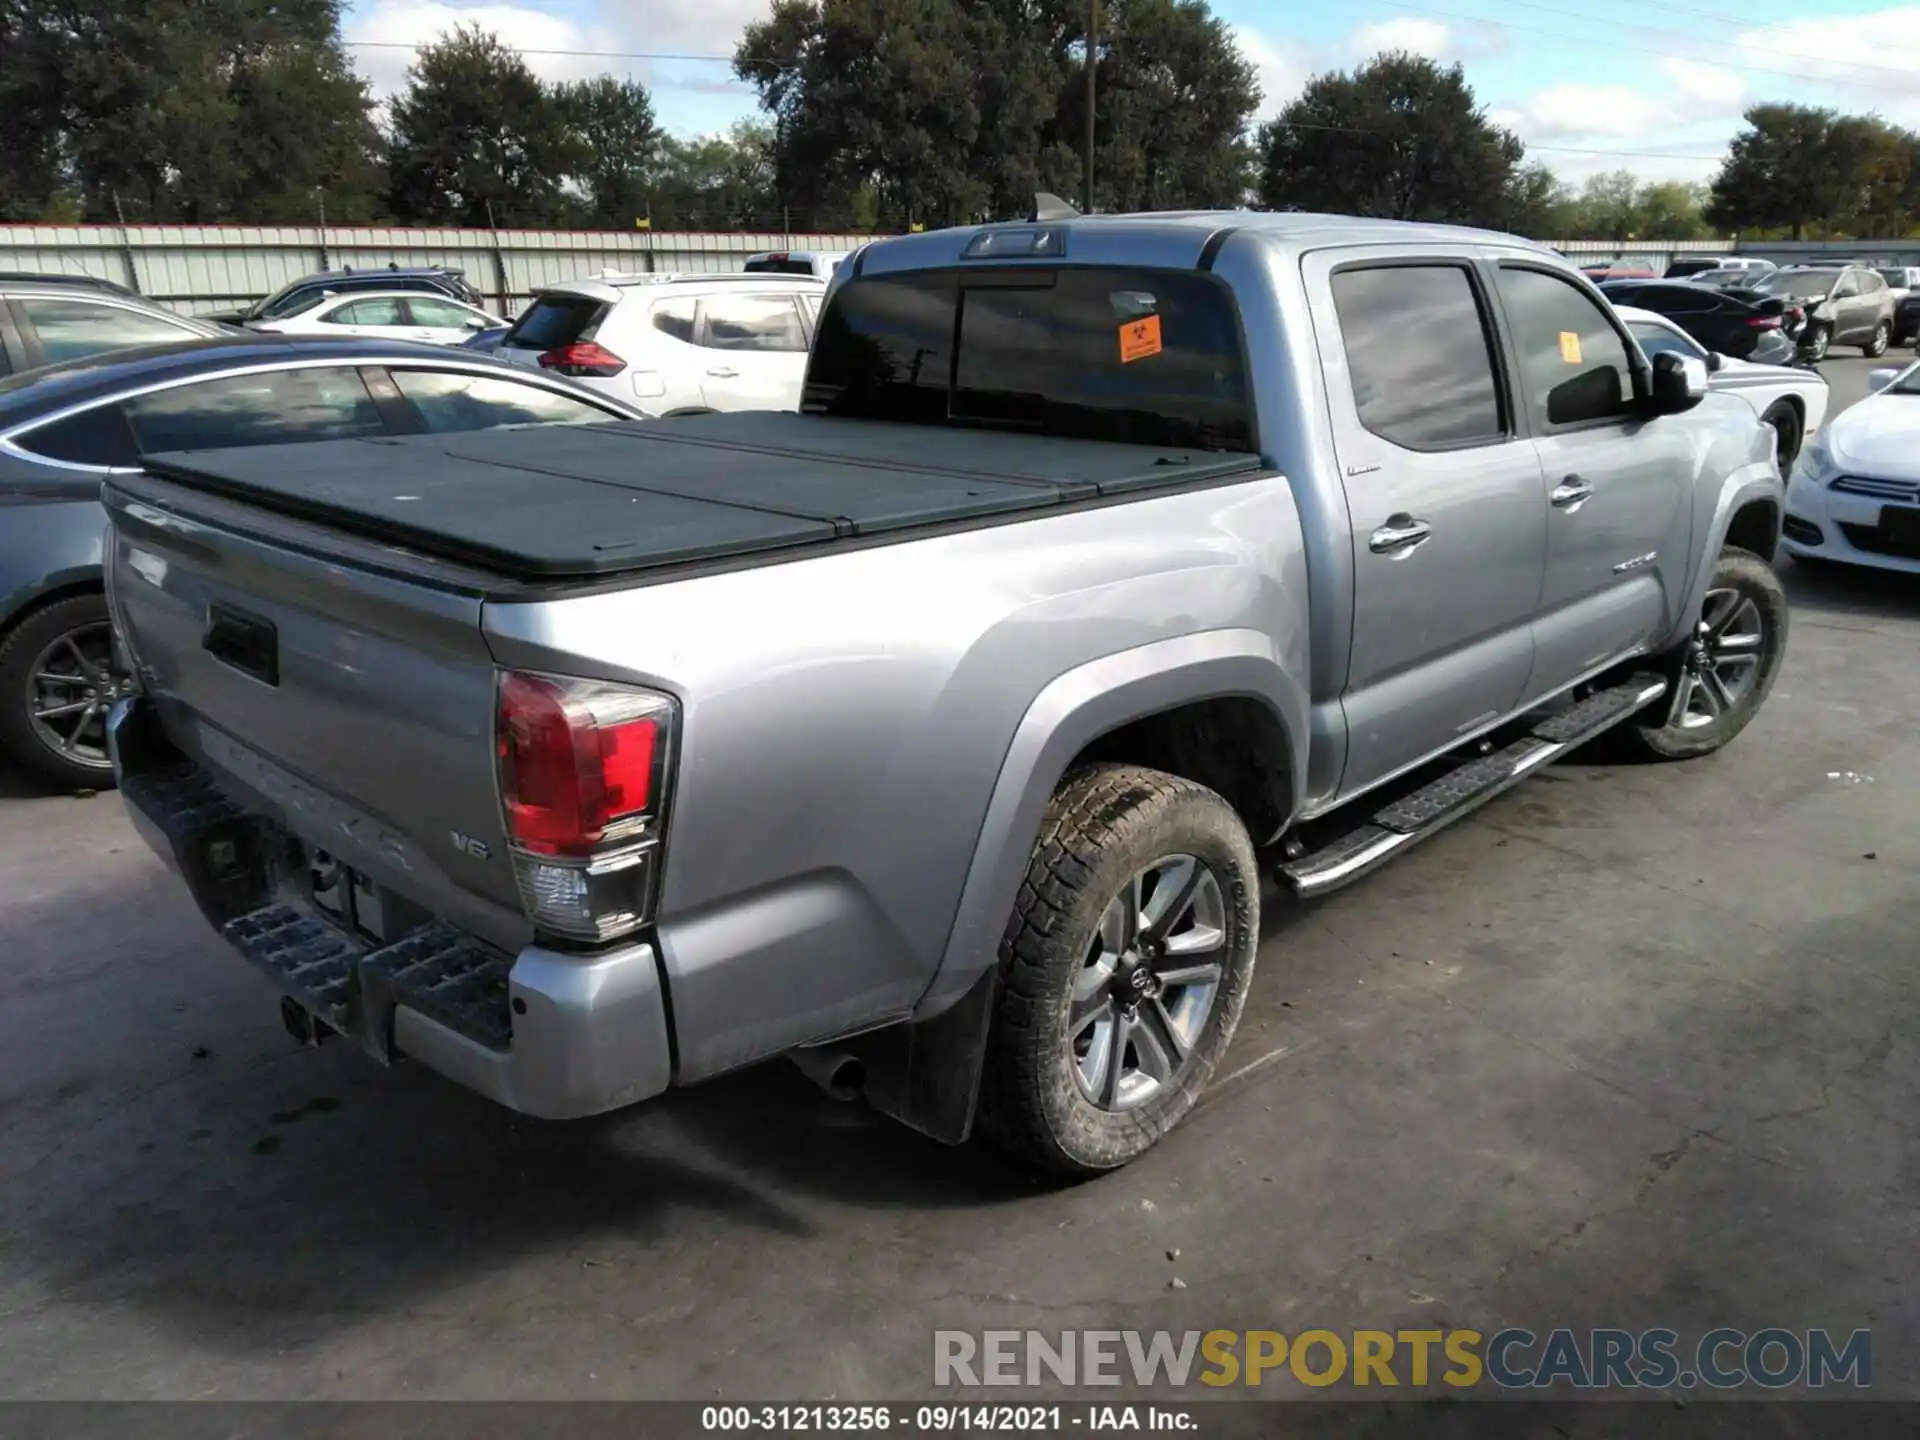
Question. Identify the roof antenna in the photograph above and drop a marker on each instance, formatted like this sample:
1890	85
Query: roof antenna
1051	207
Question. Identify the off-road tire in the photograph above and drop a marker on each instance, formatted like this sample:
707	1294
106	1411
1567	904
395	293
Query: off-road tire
1656	734
1105	823
18	738
1876	346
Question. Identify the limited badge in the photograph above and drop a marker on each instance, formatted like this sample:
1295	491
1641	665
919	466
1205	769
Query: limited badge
1139	339
1570	347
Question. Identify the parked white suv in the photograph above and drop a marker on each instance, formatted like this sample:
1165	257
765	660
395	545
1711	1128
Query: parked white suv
675	344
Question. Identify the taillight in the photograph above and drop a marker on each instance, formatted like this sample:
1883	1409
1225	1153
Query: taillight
583	357
583	771
1764	322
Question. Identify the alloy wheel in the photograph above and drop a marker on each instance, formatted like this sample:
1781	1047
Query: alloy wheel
1722	664
72	684
1143	995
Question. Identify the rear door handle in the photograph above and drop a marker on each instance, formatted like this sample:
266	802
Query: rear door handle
724	374
1571	493
1399	537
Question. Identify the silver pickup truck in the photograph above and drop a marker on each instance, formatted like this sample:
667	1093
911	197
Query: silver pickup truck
942	736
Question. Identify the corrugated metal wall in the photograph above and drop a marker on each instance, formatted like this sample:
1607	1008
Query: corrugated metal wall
210	267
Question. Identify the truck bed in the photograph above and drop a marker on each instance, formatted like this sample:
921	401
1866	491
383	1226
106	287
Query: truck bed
551	502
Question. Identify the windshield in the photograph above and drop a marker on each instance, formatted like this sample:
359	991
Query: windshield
1896	278
1907	384
1800	284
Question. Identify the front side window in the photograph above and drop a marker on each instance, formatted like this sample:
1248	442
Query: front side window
753	322
1658	340
1145	357
1419	356
448	401
74	329
273	407
1574	362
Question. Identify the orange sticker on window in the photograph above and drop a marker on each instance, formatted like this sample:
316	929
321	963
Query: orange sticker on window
1139	339
1570	347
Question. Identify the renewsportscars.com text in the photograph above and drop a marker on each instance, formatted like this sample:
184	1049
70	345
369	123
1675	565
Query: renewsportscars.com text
1512	1359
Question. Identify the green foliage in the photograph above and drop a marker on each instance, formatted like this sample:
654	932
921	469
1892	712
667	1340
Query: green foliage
188	110
478	139
1803	169
714	183
1401	136
618	146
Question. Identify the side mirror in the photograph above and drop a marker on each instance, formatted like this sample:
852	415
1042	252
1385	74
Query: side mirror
1715	360
1679	383
1878	380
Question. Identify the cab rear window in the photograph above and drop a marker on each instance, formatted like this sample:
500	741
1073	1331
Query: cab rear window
782	266
1144	357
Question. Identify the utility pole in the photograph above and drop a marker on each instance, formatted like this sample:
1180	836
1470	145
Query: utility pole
1093	49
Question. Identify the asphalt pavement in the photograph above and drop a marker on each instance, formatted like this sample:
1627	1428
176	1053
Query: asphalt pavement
1635	1046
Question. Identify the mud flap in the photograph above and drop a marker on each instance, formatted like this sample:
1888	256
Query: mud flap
926	1075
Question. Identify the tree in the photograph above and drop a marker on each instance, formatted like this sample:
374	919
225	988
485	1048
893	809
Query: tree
617	144
478	140
1539	206
1671	210
1400	137
183	110
722	182
1781	171
1610	207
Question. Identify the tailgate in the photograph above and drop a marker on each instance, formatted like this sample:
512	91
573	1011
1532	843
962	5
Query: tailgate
354	706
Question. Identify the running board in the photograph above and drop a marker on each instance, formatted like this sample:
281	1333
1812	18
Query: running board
1459	792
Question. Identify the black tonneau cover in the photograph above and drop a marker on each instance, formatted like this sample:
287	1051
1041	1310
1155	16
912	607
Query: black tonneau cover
554	501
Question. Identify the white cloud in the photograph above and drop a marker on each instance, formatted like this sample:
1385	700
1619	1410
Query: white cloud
1416	36
1281	69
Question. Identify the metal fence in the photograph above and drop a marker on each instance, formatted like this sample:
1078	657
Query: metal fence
209	267
197	268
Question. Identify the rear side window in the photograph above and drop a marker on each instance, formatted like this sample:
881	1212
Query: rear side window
1419	356
1575	363
366	312
1101	353
752	322
675	317
264	409
93	437
556	320
74	329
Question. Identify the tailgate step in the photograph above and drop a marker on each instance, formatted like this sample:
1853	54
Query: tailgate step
1464	789
443	973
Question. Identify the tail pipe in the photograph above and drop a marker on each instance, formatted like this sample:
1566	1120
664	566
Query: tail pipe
838	1072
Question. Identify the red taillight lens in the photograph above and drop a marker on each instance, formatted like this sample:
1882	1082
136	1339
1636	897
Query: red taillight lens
583	357
580	762
1764	322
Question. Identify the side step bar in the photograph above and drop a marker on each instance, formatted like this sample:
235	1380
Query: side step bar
1459	792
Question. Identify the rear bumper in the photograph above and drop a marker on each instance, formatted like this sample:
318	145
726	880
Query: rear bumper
549	1033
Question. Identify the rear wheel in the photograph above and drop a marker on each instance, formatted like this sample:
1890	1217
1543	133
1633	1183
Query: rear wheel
58	679
1124	969
1877	343
1814	346
1726	668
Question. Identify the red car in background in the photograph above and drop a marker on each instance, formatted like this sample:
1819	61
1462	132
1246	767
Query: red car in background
1621	267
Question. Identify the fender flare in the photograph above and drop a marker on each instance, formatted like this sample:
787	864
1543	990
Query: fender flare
1074	709
1757	480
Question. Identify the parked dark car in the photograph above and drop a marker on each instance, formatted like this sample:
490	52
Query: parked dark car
63	427
1721	320
44	321
299	294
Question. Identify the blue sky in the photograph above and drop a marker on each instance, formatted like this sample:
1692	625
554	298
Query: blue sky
1647	85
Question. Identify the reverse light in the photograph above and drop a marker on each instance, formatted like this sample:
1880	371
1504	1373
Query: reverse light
583	769
583	357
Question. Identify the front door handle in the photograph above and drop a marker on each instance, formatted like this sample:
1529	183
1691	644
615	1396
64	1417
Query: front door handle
722	373
1571	493
1399	537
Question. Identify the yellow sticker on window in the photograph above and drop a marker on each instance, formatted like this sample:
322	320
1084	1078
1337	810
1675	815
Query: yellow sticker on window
1570	347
